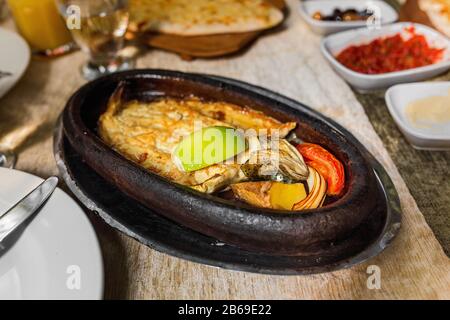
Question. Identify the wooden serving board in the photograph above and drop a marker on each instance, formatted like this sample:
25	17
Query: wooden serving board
208	46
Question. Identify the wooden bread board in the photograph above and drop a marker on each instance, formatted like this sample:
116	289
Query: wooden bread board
208	46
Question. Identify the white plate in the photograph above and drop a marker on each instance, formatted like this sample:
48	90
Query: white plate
57	256
14	58
381	9
335	43
397	99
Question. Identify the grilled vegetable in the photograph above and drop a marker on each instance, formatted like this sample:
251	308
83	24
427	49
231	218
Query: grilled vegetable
317	192
275	195
328	166
284	196
254	193
283	163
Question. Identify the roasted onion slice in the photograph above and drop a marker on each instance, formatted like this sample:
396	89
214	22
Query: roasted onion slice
317	191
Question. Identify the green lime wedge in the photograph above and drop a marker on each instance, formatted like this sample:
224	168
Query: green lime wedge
208	146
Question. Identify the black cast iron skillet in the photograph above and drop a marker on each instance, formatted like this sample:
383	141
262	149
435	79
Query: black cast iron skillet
146	226
255	229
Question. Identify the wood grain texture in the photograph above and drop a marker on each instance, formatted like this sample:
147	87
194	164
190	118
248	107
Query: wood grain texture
288	62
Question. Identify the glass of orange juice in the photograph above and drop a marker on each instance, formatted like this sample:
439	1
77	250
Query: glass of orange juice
41	25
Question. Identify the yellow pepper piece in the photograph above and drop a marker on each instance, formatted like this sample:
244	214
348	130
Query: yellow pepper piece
283	196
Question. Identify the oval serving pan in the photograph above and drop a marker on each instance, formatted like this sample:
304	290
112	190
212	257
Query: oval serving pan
256	229
141	223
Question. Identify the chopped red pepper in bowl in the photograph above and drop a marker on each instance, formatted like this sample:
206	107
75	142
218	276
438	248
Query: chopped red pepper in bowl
391	53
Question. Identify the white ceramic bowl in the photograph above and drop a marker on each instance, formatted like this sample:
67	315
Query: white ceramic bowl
335	43
385	12
397	99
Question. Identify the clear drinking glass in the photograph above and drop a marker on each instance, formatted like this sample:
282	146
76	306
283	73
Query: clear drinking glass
98	27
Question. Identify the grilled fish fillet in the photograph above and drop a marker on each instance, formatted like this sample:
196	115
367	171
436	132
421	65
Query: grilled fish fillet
147	133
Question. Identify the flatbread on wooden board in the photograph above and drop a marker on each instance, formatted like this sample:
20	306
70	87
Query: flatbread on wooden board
202	17
438	11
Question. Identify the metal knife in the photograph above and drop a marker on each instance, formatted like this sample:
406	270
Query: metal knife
25	208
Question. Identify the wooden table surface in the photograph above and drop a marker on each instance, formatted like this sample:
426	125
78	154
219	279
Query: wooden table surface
287	61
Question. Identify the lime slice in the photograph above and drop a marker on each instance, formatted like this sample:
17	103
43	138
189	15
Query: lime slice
208	146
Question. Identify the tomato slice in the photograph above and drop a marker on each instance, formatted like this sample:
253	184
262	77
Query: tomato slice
327	165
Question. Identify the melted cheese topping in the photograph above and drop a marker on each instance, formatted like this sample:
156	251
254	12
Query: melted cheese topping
148	133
